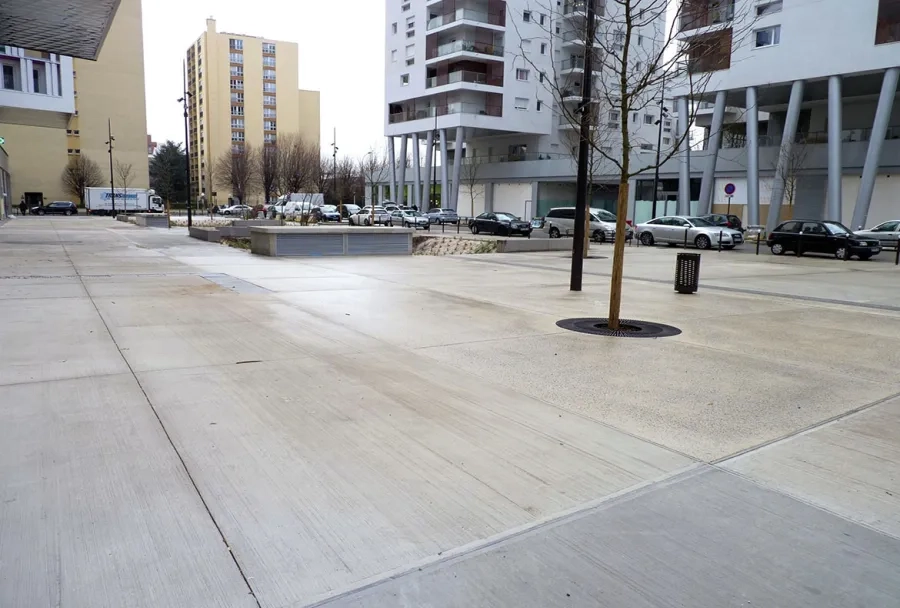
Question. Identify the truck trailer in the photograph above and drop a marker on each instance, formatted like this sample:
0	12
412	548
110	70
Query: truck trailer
99	201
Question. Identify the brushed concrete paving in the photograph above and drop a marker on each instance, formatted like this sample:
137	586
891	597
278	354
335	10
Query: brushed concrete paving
328	427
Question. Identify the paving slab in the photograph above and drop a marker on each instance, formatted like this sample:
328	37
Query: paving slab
707	541
850	467
96	510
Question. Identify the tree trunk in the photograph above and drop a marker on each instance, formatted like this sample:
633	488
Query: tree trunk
615	287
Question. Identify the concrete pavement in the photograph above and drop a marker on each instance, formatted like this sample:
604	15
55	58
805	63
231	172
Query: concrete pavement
183	424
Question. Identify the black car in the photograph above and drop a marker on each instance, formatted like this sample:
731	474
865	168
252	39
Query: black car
55	208
814	236
726	220
500	223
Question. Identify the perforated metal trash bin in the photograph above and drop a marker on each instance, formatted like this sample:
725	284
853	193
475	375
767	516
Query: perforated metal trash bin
687	272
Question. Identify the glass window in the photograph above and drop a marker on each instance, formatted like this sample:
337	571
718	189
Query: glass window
522	74
813	228
793	227
521	103
526	16
886	227
700	222
769	8
769	36
836	228
404	79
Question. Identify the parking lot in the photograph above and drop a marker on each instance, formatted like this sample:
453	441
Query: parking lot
185	424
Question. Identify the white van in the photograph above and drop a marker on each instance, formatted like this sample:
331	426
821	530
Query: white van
561	222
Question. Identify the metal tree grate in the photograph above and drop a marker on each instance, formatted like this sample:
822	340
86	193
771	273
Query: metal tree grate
628	328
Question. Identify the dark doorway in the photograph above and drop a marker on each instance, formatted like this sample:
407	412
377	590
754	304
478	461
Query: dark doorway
34	198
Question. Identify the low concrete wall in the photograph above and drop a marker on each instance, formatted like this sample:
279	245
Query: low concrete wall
123	218
513	245
203	233
329	241
151	220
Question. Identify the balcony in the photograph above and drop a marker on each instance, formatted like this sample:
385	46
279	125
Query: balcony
739	140
704	13
462	76
565	123
579	8
467	46
453	108
467	14
575	65
576	38
709	52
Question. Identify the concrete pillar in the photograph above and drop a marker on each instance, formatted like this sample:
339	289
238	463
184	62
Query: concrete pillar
784	155
752	158
489	196
417	173
684	157
457	166
429	172
445	178
873	156
392	158
715	140
380	194
835	162
401	186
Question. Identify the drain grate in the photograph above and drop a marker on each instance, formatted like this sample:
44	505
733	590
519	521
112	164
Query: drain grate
628	328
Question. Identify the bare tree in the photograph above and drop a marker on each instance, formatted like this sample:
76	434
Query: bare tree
267	174
470	174
79	174
125	176
790	169
322	177
374	168
347	179
236	169
297	165
629	57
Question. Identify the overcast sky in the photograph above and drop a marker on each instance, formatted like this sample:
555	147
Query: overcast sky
341	55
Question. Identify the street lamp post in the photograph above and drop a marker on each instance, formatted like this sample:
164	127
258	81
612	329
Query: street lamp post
112	186
187	145
662	115
434	141
334	173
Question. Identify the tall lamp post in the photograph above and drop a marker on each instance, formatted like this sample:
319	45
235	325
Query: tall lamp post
334	173
187	145
112	187
432	199
663	113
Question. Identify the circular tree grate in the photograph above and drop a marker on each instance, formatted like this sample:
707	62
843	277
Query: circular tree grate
628	328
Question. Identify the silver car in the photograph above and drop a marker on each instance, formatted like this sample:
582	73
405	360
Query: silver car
675	229
364	216
410	219
888	233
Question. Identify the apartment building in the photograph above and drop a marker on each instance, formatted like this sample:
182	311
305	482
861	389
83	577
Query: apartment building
485	80
54	107
243	90
804	114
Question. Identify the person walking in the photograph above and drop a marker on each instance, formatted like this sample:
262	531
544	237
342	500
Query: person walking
22	207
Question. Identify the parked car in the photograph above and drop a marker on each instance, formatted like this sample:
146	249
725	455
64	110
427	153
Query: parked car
55	208
326	213
390	206
442	216
410	219
235	210
726	220
348	210
814	236
887	233
364	217
500	223
561	221
700	233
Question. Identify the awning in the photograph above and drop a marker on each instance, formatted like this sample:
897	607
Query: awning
66	27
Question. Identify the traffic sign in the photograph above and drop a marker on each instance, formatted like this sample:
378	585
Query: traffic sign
2	141
730	189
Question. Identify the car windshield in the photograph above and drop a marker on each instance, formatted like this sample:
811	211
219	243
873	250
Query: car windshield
329	208
413	213
835	228
603	215
506	216
699	222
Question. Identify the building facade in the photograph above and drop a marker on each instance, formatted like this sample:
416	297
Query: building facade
54	108
497	82
805	119
243	90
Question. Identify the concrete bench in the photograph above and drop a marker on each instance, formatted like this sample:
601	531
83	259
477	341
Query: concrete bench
300	241
151	220
205	233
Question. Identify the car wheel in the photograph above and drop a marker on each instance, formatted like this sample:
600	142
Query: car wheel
702	242
599	236
475	229
777	249
646	239
40	212
842	253
554	233
68	212
367	222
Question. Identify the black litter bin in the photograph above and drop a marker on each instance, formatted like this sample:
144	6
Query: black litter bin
687	272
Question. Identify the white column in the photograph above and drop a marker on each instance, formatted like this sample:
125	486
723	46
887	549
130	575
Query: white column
457	165
684	158
709	172
392	158
417	173
876	141
401	186
835	145
752	158
429	159
784	155
445	181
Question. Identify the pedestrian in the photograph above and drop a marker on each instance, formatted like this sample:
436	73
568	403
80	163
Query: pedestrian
215	210
22	207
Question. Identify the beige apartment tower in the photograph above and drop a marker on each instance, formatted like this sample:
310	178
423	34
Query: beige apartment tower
54	108
244	90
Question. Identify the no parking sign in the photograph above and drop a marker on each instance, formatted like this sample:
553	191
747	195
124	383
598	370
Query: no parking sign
730	189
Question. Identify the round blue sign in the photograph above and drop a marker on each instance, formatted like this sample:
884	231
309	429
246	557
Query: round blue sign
730	189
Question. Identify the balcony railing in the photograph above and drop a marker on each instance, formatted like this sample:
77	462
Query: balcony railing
700	15
576	36
577	63
453	108
581	6
469	15
469	46
462	76
739	140
565	121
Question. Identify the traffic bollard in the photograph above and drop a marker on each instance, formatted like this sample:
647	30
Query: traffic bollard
685	238
897	255
720	241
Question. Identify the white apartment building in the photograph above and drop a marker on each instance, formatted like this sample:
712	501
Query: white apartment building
824	74
485	79
36	87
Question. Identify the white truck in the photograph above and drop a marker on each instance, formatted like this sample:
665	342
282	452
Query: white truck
99	201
